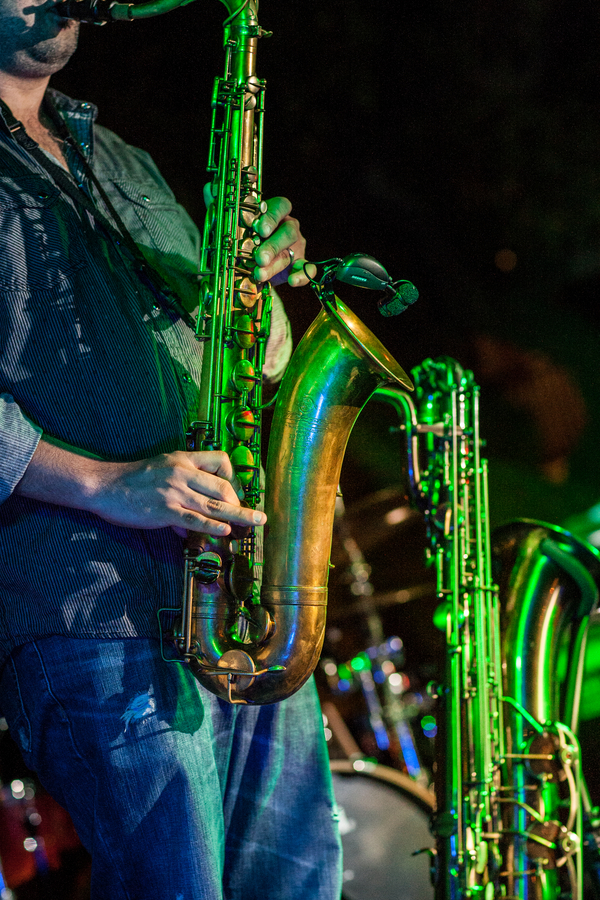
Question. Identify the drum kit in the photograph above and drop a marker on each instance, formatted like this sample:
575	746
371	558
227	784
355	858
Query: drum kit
381	653
379	722
381	650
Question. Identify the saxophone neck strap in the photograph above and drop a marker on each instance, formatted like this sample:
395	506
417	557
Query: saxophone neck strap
146	273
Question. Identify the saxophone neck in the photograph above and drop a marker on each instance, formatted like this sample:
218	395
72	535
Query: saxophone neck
241	22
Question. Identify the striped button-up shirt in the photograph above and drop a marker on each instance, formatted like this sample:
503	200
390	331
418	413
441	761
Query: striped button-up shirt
88	357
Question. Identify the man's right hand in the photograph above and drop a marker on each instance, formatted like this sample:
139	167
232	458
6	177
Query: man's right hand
184	490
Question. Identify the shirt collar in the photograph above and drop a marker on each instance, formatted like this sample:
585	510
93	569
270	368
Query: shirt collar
79	116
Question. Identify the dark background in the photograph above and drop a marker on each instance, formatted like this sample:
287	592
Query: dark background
435	136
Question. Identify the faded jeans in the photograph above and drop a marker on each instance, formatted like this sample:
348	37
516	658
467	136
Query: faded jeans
176	794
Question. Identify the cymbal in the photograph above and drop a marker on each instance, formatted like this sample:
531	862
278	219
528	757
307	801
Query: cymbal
368	604
379	516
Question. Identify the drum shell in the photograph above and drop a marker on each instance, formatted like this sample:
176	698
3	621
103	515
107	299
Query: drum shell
384	820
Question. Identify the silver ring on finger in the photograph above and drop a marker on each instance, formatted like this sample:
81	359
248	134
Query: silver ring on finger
291	256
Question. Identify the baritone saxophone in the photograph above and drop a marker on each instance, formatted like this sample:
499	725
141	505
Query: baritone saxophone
511	802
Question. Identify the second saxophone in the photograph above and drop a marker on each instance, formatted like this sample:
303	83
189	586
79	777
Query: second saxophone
511	801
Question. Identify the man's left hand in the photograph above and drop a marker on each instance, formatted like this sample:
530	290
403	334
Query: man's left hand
281	255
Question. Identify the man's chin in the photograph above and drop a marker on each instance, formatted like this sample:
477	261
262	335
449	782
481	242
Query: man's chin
49	56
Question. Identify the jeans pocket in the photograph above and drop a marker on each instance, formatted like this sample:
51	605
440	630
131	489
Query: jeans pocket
13	710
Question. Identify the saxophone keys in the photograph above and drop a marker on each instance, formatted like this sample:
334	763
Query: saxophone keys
250	210
207	567
247	293
244	332
255	625
243	376
241	669
244	464
241	423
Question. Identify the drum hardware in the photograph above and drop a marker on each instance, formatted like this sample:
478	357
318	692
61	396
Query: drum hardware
376	673
381	517
392	705
336	731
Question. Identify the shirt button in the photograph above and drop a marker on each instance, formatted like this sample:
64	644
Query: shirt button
85	106
147	199
43	196
187	377
155	307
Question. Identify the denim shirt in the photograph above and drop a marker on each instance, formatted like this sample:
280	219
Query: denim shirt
88	357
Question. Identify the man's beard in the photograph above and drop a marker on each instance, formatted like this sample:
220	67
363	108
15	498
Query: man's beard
56	52
39	59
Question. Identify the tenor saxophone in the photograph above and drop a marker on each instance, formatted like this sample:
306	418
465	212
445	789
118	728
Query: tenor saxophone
509	789
253	636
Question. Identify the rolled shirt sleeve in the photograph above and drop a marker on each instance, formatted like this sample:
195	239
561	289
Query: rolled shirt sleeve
279	345
19	437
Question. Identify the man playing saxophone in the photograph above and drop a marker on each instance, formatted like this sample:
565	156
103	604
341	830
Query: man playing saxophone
175	793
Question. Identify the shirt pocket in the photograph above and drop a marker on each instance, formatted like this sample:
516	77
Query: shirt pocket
156	219
39	236
163	230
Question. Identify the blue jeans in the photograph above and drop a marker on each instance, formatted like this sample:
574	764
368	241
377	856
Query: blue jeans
175	794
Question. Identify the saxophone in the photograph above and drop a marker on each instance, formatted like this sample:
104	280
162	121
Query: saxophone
245	643
510	796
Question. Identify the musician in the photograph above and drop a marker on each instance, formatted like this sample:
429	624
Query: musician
175	793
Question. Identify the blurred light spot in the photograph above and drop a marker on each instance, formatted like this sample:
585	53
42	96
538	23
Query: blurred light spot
394	516
360	588
396	683
343	684
360	663
17	789
30	844
328	734
3	727
330	668
505	260
34	819
388	666
429	726
379	676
